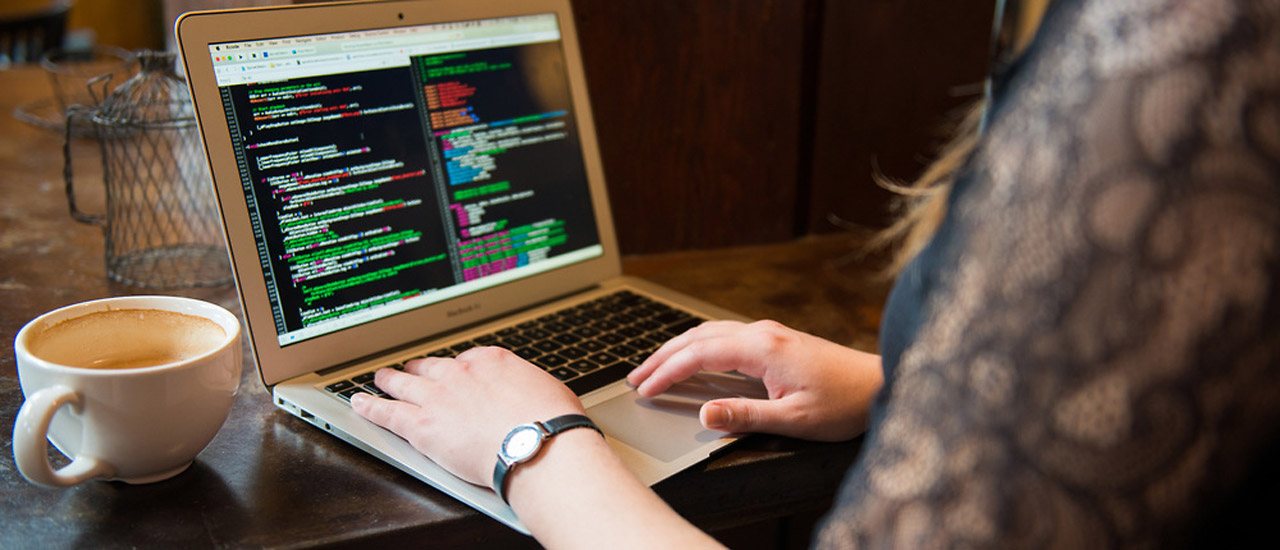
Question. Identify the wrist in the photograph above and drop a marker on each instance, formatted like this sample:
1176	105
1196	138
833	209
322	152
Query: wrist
526	442
577	494
568	453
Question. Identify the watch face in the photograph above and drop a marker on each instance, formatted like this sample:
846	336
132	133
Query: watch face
522	442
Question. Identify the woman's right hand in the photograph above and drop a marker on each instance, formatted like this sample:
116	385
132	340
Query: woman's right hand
818	390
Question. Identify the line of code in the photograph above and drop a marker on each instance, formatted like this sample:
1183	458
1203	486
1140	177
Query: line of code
502	121
341	171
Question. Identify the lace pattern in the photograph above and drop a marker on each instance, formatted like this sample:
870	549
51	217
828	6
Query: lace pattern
1102	359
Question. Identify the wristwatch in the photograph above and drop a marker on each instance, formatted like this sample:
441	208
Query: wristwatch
524	442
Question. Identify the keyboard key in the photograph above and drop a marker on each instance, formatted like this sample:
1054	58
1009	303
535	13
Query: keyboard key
595	313
681	327
630	332
527	352
643	344
587	332
563	373
648	325
550	361
583	366
515	341
626	295
623	319
575	320
535	334
604	358
591	345
573	352
346	394
612	339
568	338
659	309
547	345
338	386
363	378
672	317
623	351
604	326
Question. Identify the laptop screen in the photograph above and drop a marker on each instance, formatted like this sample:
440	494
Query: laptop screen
388	169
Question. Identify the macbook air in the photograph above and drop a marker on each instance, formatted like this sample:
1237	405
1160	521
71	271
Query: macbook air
408	179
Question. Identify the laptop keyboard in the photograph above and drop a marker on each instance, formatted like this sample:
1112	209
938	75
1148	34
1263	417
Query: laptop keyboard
618	330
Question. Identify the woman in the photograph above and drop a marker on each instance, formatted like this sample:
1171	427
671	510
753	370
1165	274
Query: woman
1084	354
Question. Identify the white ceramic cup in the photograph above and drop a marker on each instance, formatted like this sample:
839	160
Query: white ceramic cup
137	425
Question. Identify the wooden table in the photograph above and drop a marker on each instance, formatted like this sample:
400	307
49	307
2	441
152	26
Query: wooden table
271	480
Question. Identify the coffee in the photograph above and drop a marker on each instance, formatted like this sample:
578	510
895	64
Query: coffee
126	339
87	390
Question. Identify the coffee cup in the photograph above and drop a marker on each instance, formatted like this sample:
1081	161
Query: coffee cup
129	388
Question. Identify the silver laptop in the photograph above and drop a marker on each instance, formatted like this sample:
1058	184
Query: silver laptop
404	179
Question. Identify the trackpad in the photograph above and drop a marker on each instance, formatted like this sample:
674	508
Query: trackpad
667	427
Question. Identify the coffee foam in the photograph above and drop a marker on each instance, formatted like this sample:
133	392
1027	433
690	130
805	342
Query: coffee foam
126	338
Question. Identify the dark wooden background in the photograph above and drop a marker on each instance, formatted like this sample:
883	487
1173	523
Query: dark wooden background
728	122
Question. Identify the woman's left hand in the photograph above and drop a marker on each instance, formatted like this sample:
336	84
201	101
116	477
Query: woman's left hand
457	411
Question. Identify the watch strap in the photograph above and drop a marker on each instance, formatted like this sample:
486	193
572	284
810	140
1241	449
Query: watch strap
569	422
549	429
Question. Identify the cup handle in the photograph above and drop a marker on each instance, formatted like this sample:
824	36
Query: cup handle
31	443
74	112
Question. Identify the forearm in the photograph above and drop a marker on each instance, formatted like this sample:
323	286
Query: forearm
577	494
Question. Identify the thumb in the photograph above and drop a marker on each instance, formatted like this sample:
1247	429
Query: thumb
739	415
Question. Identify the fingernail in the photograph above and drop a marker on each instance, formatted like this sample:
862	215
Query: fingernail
641	387
635	383
716	416
358	398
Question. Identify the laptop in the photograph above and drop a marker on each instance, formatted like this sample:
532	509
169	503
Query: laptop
407	179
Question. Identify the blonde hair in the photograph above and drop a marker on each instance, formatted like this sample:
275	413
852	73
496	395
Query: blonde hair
923	202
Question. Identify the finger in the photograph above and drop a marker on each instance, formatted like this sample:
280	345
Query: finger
722	354
709	329
741	415
427	366
405	386
705	330
389	414
487	354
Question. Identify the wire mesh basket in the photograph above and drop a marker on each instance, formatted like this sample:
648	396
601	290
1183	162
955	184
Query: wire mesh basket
161	221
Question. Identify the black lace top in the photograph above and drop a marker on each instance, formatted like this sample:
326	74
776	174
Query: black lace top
1088	353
